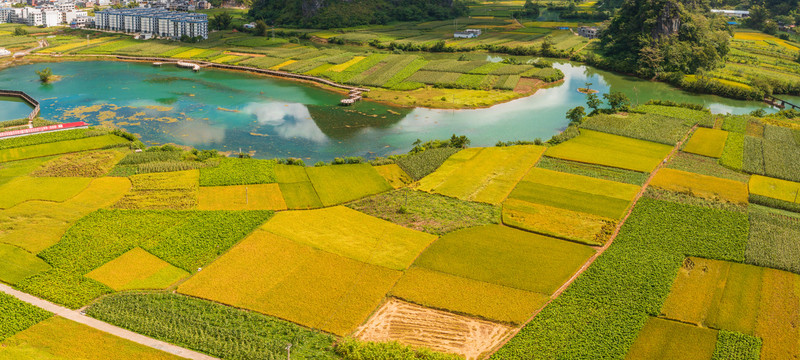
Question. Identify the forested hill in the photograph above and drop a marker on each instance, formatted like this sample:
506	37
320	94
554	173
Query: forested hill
655	37
344	13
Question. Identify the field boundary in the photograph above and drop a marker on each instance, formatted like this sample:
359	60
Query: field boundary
103	326
602	249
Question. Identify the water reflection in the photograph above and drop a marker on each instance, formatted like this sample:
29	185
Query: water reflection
288	120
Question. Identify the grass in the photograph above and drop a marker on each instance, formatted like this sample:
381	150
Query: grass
774	239
22	189
488	176
704	165
208	327
431	213
241	197
171	190
601	313
85	164
59	338
137	269
186	239
310	287
352	234
611	150
575	192
464	296
60	147
17	264
36	225
238	172
655	128
342	183
703	186
595	171
423	163
707	142
505	256
665	339
394	175
16	316
561	223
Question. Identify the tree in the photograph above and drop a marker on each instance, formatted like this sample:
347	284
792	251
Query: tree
618	101
547	45
20	31
133	4
530	10
593	101
261	28
221	21
576	114
758	17
770	27
45	75
459	141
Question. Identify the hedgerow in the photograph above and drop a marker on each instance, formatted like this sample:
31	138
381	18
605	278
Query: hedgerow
186	239
16	316
212	328
601	313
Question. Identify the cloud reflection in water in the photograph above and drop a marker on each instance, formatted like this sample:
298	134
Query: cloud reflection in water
289	120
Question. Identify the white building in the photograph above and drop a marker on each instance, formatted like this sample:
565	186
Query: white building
467	34
158	22
10	15
65	7
739	14
69	17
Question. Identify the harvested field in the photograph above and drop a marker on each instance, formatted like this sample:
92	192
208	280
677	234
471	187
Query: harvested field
416	325
394	175
507	257
22	189
561	223
172	190
488	176
342	183
464	296
241	197
702	186
137	269
352	234
611	150
707	142
59	338
603	198
276	276
85	164
17	264
665	339
36	225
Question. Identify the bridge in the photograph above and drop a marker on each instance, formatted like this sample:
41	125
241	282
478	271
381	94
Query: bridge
25	97
778	103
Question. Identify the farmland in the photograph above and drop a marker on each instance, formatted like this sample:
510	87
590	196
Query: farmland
611	150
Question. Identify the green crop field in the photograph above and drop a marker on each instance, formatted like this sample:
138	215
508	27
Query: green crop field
505	256
591	170
11	170
707	142
774	239
36	225
352	234
690	116
187	240
59	338
464	296
276	276
238	172
342	183
488	176
60	147
16	316
17	264
611	150
24	188
575	192
655	128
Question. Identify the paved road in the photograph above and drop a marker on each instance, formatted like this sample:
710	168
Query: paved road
104	327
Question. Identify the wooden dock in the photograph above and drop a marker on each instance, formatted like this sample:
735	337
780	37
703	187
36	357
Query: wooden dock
353	96
778	103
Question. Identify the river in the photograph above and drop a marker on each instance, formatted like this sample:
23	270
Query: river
229	111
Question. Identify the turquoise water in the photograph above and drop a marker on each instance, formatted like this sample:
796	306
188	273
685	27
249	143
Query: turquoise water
12	108
270	118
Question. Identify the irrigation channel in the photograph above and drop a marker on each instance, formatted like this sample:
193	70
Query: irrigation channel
269	117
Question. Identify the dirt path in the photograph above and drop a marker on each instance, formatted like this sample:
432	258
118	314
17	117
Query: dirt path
104	327
602	249
42	43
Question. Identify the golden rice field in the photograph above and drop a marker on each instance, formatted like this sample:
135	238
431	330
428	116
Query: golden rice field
73	45
137	269
702	186
557	222
279	66
22	189
666	339
775	188
189	53
599	148
276	276
349	233
241	197
762	37
394	175
707	142
343	66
